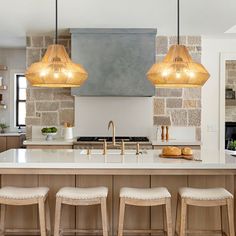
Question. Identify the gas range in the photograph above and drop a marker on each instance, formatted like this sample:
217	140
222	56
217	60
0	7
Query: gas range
109	139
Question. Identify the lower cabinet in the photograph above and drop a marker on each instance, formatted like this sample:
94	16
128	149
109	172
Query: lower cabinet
49	146
11	142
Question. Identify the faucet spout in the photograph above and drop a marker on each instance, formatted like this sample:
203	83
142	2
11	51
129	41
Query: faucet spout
111	123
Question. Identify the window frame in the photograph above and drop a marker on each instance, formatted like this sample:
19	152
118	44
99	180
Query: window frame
18	100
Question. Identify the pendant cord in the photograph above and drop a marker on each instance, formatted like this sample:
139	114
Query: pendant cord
178	22
56	33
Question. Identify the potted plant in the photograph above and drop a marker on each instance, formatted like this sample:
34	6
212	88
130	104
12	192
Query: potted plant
49	132
3	126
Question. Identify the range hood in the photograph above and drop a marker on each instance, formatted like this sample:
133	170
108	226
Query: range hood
117	61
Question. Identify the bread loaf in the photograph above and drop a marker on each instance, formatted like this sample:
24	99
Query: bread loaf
171	151
187	151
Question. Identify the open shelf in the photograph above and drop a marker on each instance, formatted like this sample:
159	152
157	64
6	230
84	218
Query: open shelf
3	87
3	106
3	67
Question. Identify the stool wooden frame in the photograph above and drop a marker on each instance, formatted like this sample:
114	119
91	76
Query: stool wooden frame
44	215
167	219
81	202
181	215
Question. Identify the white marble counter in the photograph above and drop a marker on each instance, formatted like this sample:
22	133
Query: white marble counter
54	142
175	142
77	159
11	134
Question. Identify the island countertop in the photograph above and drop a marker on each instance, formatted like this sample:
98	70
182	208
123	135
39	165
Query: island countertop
77	160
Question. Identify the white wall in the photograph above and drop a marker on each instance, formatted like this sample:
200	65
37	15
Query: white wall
14	59
211	49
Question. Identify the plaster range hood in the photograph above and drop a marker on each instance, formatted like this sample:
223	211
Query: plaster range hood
117	61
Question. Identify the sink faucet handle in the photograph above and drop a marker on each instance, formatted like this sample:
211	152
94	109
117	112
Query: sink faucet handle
104	147
137	148
122	147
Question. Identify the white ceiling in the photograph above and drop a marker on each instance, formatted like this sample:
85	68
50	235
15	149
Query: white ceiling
198	17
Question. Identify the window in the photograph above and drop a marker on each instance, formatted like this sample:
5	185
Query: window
21	85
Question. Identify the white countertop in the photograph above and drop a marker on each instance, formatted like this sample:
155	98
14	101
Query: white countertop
43	142
11	134
77	159
176	142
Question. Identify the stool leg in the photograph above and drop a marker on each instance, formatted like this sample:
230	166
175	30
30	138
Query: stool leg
104	216
57	217
48	221
2	223
230	212
164	219
168	217
177	223
42	218
183	215
121	217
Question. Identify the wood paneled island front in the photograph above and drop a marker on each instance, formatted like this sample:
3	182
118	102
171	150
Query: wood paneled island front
60	168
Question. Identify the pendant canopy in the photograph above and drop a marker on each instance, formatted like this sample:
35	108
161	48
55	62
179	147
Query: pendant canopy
56	70
178	70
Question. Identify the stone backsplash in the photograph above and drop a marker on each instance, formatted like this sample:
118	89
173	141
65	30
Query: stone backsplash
230	108
178	107
175	107
46	106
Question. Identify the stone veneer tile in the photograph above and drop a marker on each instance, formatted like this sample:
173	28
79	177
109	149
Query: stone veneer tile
196	57
48	40
162	45
194	40
159	106
41	94
33	121
28	132
194	117
62	94
164	92
161	120
173	40
192	93
47	106
189	103
37	41
30	108
174	103
67	104
32	55
198	133
66	115
178	117
50	118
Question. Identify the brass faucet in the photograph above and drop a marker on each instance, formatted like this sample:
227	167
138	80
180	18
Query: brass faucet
113	132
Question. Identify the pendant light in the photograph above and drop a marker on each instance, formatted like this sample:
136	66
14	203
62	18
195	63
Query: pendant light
56	69
178	70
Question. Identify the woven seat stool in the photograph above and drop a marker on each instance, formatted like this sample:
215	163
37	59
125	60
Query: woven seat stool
16	196
81	197
145	197
211	197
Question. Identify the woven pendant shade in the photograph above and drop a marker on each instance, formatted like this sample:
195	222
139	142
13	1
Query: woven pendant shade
56	70
178	70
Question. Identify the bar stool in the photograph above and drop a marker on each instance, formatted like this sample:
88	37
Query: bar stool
26	196
212	197
145	197
78	197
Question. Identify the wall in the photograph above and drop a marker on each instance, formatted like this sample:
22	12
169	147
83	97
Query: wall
47	106
179	107
14	59
211	49
230	82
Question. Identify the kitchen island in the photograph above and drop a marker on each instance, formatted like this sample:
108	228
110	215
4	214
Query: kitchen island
59	168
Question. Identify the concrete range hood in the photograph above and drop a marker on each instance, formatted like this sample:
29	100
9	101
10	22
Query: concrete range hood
116	59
